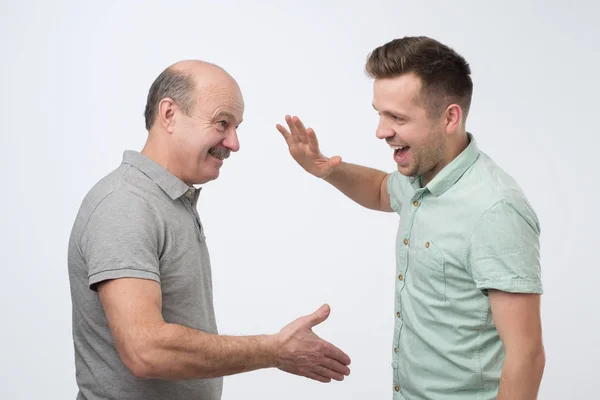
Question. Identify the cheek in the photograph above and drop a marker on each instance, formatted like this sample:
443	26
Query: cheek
411	134
194	143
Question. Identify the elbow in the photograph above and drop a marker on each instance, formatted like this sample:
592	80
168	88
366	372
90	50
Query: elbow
532	358
139	360
540	360
537	358
140	369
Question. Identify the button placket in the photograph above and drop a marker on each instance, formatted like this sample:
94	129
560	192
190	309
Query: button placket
187	200
401	282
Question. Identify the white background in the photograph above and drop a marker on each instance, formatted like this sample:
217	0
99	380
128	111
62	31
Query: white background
74	78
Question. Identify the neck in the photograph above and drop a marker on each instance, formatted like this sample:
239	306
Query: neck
159	152
453	149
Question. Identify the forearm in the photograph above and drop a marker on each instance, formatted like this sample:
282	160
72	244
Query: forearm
521	376
359	183
178	352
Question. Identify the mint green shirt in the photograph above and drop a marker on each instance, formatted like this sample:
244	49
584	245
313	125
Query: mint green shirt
470	229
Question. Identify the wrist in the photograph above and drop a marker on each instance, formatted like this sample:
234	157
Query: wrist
270	346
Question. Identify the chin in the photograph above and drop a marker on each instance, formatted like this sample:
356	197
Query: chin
407	171
210	177
205	174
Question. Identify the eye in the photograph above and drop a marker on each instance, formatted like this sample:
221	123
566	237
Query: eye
223	123
397	119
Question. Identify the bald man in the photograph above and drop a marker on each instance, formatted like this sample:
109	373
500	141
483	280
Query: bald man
143	319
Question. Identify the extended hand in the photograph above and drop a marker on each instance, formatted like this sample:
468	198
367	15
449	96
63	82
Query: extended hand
303	353
304	148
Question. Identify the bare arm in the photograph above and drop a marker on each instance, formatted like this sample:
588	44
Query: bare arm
517	318
151	348
366	186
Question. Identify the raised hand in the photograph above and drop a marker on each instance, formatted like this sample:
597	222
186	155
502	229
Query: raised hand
304	148
302	352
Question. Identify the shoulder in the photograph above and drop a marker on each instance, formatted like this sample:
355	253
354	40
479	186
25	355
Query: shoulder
114	205
499	194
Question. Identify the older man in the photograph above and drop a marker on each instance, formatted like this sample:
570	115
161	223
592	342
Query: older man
143	319
467	310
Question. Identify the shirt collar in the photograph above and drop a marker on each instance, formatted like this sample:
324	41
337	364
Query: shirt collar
168	182
452	172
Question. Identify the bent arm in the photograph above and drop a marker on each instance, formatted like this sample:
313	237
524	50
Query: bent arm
366	186
154	349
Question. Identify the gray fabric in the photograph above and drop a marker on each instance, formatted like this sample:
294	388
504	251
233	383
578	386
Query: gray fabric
139	221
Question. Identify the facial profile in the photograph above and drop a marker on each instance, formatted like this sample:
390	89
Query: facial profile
422	92
416	139
201	133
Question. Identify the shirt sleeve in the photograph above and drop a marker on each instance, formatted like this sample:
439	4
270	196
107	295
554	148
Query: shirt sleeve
121	240
394	189
504	251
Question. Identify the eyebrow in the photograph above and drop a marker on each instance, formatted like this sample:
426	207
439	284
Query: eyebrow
397	114
229	116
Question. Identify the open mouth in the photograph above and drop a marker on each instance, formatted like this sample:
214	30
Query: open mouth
400	151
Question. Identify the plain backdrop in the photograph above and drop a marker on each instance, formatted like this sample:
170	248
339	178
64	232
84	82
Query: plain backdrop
74	77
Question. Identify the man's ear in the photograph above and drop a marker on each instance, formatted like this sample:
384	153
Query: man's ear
166	114
452	118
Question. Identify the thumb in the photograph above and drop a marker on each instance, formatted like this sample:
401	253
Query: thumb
334	161
318	316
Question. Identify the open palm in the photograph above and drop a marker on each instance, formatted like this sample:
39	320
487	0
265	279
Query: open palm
304	148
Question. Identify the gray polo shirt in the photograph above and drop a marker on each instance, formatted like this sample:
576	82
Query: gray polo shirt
138	221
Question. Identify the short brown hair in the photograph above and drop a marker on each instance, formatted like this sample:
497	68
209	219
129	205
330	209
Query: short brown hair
174	84
445	75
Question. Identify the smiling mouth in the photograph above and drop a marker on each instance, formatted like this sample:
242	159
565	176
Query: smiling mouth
398	150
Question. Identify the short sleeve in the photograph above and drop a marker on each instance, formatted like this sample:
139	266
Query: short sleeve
121	240
504	251
395	191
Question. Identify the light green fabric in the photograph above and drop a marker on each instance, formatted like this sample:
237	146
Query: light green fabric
470	229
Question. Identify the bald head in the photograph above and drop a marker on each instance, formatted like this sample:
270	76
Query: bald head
192	115
184	82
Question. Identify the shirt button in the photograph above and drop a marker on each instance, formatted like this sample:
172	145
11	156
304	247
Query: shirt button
415	203
405	241
400	277
398	314
188	193
427	244
397	388
395	349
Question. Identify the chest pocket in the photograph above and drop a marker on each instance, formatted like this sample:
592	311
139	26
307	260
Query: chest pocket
427	268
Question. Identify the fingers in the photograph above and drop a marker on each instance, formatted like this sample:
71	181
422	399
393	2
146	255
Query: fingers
297	132
336	354
293	130
334	161
300	129
335	366
328	373
318	316
284	132
313	143
318	377
331	369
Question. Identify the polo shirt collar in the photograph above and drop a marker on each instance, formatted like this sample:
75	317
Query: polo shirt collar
452	172
169	183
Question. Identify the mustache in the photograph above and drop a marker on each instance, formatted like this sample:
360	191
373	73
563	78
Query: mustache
221	152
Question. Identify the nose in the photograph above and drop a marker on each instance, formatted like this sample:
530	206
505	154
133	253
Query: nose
231	141
384	131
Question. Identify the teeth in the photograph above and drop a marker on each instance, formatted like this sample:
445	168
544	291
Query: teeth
397	147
